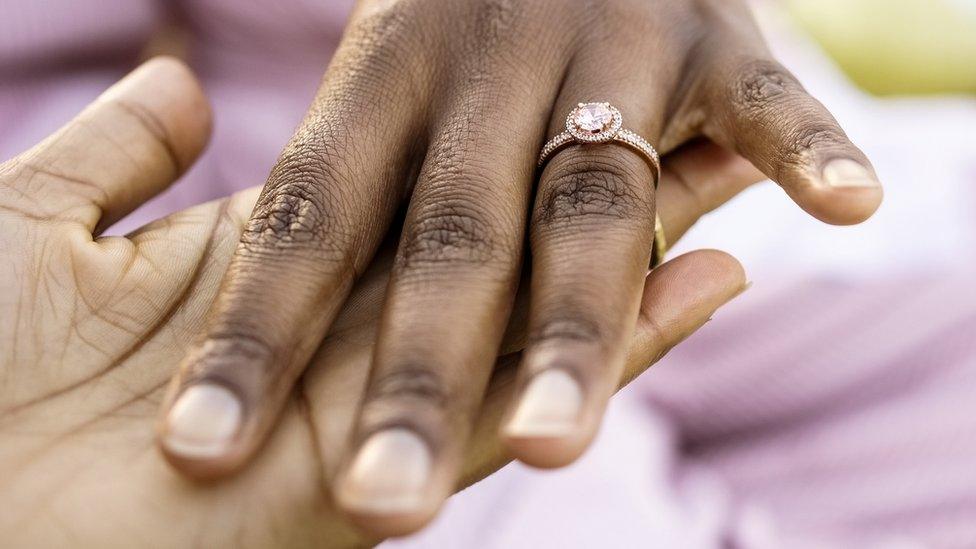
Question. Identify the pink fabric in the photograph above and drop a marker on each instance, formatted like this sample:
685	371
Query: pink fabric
809	414
819	410
260	63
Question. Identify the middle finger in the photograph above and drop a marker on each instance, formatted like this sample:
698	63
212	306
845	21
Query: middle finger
451	290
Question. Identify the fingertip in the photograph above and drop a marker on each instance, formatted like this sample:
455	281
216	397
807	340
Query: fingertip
384	526
551	423
546	452
199	469
391	486
200	432
392	523
703	271
172	73
838	205
718	265
843	191
728	270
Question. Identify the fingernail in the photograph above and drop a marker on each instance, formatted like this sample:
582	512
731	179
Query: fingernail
389	474
549	407
844	172
203	422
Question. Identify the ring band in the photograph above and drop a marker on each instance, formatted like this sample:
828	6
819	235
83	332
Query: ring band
593	123
660	248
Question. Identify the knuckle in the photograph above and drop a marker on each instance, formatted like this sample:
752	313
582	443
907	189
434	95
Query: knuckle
499	22
22	180
767	95
387	33
808	139
759	83
299	208
232	355
386	54
410	385
454	231
152	126
566	326
385	19
585	190
501	37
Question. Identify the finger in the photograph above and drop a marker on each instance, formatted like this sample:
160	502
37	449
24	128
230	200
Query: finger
315	227
762	111
127	146
591	235
695	179
448	301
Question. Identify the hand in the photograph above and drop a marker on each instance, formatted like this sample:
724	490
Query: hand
442	107
92	324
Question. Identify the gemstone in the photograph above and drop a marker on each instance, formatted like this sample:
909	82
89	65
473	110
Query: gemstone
594	117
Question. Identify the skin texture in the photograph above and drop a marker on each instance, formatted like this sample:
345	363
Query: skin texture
436	109
93	325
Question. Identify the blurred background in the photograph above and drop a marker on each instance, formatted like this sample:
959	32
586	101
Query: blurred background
832	405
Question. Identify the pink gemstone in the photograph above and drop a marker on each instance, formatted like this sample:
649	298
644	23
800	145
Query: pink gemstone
594	117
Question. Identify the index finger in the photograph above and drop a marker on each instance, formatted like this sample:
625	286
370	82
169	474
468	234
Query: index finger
316	225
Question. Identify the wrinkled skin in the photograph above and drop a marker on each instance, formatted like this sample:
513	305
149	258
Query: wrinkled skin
92	326
439	107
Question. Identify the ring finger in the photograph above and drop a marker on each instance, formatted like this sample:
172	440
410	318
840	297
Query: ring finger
591	238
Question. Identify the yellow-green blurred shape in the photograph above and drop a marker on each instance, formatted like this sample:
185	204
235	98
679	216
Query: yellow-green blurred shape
896	46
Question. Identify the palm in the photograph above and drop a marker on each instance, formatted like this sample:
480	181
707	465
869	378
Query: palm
89	342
